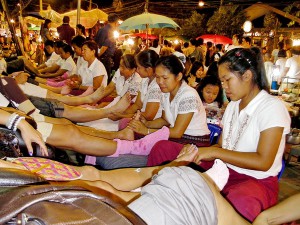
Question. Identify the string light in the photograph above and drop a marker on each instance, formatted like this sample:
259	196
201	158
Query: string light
201	3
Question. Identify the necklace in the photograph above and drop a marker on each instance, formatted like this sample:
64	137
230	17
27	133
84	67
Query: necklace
240	132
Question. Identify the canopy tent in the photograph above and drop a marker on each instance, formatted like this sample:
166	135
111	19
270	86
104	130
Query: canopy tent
87	18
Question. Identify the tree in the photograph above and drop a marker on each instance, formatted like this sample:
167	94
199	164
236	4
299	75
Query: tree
293	9
193	26
228	20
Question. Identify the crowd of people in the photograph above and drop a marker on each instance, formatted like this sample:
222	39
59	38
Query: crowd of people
153	113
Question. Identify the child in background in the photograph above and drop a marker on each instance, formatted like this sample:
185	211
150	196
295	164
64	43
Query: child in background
211	94
196	74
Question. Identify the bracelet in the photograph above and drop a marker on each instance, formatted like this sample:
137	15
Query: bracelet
17	122
11	120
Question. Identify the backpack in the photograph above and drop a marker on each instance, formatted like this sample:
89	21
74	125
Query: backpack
44	204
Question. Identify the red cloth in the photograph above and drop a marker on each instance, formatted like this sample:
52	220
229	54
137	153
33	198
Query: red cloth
249	196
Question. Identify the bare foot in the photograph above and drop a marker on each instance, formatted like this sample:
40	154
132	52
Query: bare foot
5	164
137	115
65	90
96	96
122	105
125	134
187	154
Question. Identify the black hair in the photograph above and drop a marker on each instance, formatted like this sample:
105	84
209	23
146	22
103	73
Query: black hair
66	19
59	44
213	69
219	46
178	48
81	28
67	48
49	43
78	41
155	43
147	58
281	53
92	45
240	60
195	67
172	63
112	17
129	61
212	80
47	21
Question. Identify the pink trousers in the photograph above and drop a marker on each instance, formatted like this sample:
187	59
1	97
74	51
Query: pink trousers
248	195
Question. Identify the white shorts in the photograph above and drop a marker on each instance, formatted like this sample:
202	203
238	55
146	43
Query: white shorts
33	90
45	129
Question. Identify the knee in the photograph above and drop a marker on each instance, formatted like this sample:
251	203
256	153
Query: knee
73	132
249	206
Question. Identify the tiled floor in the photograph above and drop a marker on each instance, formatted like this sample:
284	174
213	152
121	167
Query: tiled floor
289	183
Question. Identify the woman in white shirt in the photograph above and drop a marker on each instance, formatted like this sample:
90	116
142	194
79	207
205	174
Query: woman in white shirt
183	111
253	138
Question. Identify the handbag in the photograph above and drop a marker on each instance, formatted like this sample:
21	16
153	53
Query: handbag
9	143
39	202
13	145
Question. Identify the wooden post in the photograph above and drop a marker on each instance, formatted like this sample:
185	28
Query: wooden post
78	11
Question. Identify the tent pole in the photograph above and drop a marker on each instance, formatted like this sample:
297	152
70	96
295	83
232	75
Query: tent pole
78	11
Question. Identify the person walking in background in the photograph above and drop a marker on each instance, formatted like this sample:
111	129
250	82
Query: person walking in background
65	31
106	42
80	30
45	31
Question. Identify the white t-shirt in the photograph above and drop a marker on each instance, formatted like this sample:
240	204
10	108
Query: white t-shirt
185	101
3	65
150	93
132	84
88	74
293	64
80	61
280	64
3	101
52	59
69	65
263	112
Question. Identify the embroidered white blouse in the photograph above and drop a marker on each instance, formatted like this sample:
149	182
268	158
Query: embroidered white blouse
132	84
186	100
53	59
150	93
241	130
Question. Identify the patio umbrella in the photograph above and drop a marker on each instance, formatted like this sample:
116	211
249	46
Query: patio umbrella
144	36
147	20
216	39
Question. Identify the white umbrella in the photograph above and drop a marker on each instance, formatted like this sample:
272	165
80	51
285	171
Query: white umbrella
147	20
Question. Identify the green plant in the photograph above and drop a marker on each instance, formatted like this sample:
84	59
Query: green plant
228	20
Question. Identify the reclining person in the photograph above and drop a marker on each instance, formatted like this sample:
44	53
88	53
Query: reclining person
196	195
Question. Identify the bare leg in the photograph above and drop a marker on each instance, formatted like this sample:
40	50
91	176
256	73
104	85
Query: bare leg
41	80
53	89
70	137
74	100
79	114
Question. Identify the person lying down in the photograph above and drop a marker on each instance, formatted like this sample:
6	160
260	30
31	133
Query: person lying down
173	195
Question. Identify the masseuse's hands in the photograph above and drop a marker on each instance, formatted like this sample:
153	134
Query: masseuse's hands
29	135
137	125
187	153
204	154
